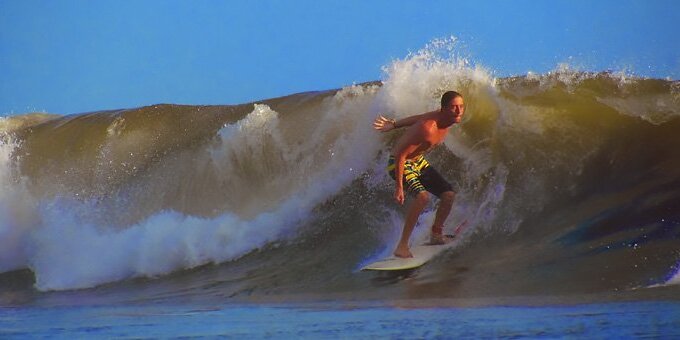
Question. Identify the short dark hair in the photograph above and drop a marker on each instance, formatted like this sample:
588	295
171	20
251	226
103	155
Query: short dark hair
448	96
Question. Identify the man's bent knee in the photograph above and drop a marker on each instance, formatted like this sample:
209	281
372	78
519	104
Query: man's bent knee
423	197
447	197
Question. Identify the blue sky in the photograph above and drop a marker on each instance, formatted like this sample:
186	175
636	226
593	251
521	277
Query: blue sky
78	56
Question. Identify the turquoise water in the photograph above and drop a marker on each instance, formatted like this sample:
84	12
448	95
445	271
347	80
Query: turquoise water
324	320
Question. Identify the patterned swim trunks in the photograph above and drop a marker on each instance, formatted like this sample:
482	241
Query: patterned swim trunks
420	176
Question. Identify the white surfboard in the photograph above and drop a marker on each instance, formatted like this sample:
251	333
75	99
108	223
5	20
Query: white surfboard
421	254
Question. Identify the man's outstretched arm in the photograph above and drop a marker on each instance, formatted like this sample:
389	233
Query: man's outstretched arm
387	124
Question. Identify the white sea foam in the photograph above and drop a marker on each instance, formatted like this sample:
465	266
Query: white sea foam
655	109
17	210
675	278
416	83
68	254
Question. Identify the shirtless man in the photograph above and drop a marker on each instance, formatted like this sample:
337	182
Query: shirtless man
409	168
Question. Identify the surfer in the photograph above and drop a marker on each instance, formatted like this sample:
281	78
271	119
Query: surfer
408	167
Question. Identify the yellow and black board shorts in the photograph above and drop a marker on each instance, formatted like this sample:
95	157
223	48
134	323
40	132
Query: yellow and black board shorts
420	176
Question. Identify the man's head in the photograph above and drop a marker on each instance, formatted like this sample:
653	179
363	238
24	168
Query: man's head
452	102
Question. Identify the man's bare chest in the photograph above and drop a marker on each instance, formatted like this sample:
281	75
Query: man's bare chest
436	137
431	140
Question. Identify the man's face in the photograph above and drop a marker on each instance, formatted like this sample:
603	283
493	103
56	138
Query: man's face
456	107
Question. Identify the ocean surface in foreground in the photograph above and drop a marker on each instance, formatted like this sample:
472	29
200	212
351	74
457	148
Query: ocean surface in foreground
344	320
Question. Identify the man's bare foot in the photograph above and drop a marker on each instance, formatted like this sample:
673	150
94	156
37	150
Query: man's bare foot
439	239
403	252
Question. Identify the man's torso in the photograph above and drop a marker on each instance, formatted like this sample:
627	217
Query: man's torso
431	137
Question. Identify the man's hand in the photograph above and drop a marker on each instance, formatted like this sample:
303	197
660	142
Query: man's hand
399	195
383	124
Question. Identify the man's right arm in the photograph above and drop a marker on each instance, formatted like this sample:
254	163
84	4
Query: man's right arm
407	144
408	121
385	124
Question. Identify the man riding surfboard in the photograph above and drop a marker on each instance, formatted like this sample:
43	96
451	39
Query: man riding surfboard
409	168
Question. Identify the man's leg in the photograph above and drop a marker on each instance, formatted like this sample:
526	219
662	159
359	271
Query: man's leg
412	214
445	204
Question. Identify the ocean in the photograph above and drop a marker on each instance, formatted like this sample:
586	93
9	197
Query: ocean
332	321
254	219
